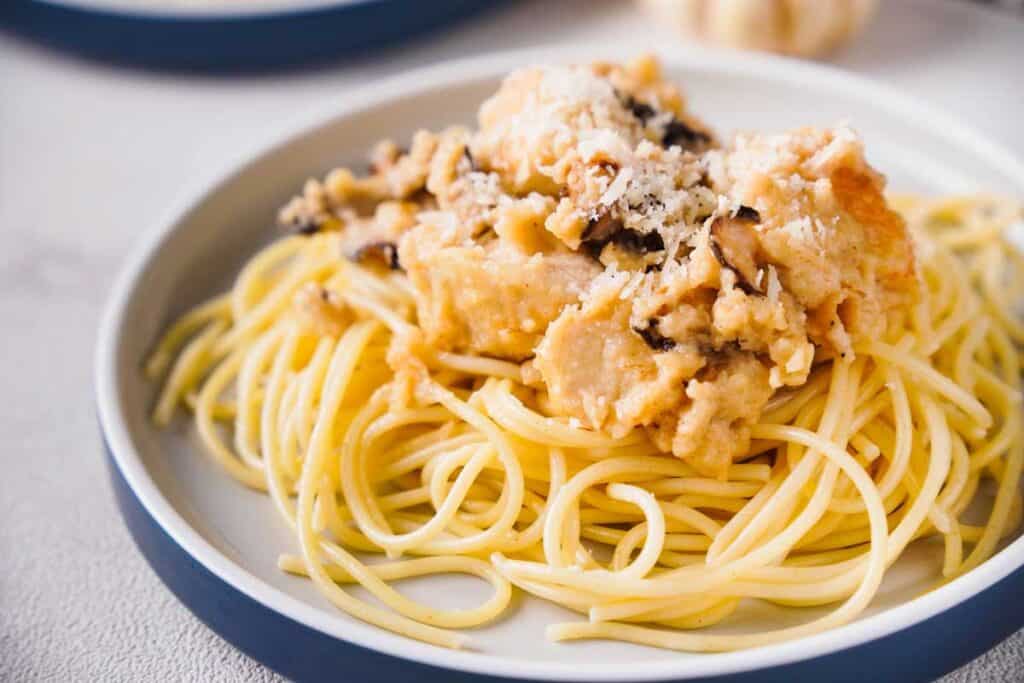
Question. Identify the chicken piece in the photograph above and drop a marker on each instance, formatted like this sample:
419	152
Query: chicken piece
838	249
490	299
696	402
713	425
598	368
396	177
544	122
727	303
567	132
372	240
735	245
771	325
656	280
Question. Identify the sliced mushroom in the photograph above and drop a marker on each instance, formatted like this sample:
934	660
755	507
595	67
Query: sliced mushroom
641	110
639	242
679	133
601	227
735	244
676	132
310	225
630	240
306	227
717	356
382	252
469	157
653	338
599	231
748	213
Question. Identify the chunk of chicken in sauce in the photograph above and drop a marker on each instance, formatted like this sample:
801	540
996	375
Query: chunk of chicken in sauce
597	367
490	299
655	279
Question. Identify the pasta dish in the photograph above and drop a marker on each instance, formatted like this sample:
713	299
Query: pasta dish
593	351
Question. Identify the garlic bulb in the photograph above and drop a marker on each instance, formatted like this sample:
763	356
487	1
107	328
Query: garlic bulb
794	27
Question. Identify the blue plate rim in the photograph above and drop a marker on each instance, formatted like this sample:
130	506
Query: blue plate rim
164	13
883	625
232	40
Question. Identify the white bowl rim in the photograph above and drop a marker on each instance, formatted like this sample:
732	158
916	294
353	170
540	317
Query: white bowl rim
417	82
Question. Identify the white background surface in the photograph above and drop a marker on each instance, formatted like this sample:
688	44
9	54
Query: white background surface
91	154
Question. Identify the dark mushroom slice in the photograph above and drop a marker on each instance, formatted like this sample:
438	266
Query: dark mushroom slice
382	252
594	248
307	223
601	227
676	132
606	230
653	338
641	110
639	242
679	133
735	244
748	213
469	157
305	227
484	233
721	352
599	231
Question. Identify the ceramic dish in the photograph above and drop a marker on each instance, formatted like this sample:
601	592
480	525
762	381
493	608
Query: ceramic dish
215	543
228	34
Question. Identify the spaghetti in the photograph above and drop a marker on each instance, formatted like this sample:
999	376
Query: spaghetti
465	472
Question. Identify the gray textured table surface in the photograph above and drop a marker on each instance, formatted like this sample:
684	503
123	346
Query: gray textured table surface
89	154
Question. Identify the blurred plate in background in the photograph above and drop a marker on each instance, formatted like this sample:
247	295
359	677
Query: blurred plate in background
228	34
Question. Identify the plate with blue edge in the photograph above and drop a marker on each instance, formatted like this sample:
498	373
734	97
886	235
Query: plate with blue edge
215	543
230	34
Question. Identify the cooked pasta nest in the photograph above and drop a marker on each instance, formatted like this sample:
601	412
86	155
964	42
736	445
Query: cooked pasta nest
463	472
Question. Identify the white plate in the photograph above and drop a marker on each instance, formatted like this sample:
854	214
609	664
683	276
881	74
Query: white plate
237	535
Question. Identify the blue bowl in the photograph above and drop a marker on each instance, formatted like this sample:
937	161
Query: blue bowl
190	39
